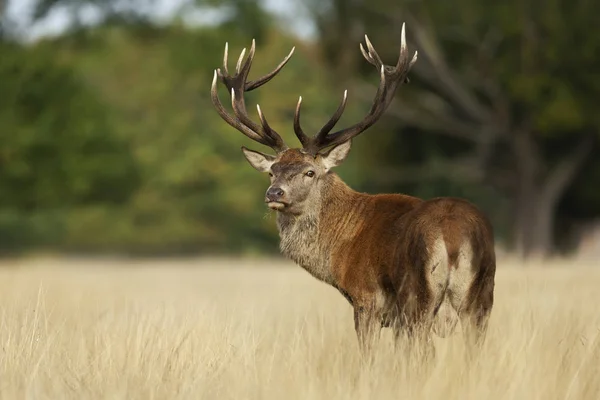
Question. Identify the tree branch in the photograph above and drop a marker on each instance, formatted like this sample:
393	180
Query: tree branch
456	169
427	116
563	174
459	169
432	114
526	151
432	65
436	70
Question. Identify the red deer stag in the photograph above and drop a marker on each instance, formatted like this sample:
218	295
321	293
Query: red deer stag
394	257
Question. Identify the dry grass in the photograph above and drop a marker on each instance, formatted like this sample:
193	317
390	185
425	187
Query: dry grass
224	330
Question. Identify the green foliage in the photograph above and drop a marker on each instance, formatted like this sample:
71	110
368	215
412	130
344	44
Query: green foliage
109	141
57	144
58	150
114	125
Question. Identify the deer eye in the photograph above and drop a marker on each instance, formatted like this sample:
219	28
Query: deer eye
271	174
310	174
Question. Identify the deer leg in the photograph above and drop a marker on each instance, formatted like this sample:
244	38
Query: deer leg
420	339
473	308
475	316
367	323
415	321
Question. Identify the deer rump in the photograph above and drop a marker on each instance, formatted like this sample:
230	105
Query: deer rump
443	266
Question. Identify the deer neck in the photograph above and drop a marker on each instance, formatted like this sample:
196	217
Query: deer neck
308	239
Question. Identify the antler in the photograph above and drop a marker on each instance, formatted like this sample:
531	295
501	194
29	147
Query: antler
391	77
236	85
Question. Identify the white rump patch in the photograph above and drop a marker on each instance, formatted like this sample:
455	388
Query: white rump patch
461	277
438	268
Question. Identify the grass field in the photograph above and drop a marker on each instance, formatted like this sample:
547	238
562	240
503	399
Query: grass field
203	329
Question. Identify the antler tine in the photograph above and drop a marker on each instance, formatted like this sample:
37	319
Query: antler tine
229	119
236	85
225	58
261	81
302	137
333	120
267	134
373	53
239	62
403	40
267	128
390	78
373	57
381	89
245	70
414	59
366	55
403	58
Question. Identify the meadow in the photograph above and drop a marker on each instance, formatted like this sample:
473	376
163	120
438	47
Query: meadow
265	329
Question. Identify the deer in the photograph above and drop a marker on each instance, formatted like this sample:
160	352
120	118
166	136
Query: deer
394	257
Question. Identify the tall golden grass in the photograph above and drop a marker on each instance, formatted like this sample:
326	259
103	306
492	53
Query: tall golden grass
217	329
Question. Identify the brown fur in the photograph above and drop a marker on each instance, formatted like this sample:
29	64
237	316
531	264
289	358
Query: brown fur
396	258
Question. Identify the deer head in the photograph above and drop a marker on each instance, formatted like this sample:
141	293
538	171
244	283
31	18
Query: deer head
299	174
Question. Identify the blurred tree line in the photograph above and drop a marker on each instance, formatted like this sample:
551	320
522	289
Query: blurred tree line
109	141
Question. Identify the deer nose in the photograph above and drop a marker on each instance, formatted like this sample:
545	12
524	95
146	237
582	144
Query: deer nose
274	194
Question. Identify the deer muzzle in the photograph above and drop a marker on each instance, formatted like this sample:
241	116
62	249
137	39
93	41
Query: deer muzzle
275	198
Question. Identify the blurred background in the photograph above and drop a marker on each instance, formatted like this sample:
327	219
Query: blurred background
110	145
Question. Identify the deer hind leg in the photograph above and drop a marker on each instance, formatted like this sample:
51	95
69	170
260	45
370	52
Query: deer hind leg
471	293
431	293
367	322
414	320
476	314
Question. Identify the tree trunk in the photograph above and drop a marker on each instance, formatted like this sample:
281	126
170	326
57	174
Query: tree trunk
524	219
534	223
536	200
526	167
542	244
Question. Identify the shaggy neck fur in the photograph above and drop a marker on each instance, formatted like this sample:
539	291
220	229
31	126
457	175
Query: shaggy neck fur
308	239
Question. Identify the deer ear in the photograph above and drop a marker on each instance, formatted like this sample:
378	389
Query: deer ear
260	161
336	155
